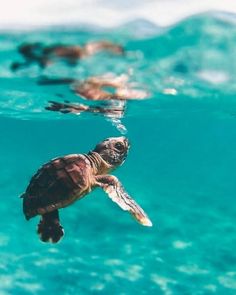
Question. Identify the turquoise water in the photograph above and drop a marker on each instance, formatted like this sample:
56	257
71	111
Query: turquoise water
181	165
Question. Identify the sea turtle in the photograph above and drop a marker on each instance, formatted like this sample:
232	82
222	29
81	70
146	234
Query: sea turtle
62	181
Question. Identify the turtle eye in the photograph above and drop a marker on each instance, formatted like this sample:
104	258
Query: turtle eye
119	146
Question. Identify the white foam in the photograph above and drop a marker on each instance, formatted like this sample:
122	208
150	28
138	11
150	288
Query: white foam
53	250
228	280
163	283
131	273
192	269
170	91
112	262
97	287
214	77
49	261
181	244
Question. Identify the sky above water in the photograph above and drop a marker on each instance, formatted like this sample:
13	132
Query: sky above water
104	12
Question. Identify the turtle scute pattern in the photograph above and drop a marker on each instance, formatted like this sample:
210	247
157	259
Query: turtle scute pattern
56	184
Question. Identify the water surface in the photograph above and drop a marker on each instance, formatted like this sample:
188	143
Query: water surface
181	166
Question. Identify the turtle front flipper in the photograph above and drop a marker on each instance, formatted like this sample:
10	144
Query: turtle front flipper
111	185
49	228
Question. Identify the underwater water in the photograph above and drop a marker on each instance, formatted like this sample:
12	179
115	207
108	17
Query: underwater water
180	168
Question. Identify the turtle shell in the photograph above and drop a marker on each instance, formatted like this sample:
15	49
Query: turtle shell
57	184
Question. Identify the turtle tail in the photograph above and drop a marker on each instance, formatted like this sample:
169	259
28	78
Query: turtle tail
49	228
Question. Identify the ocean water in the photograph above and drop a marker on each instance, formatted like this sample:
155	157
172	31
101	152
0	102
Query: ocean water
180	169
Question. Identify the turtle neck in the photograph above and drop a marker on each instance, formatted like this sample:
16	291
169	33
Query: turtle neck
99	165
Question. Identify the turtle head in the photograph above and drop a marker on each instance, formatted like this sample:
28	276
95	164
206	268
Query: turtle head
113	150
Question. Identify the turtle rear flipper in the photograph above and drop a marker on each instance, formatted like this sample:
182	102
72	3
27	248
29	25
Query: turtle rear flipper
49	228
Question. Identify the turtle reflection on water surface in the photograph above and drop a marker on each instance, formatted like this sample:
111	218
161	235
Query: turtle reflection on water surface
107	87
70	54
